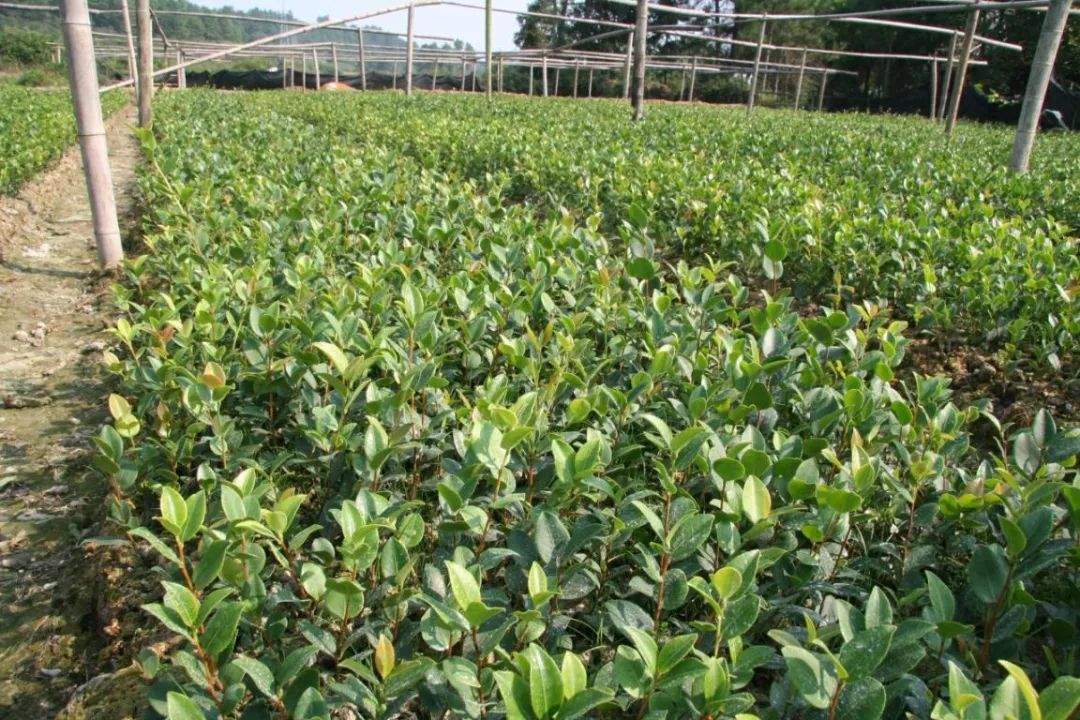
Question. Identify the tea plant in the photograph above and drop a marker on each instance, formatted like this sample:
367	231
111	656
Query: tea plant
863	208
35	128
406	447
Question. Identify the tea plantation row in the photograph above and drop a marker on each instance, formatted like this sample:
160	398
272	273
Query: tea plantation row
411	440
36	127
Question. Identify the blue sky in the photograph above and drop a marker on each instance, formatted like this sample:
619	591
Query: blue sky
457	22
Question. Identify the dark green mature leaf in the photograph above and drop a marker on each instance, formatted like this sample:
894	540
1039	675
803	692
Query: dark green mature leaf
809	676
259	674
861	700
987	572
861	655
220	632
182	707
545	682
689	534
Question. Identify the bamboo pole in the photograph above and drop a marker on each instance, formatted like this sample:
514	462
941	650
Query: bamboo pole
303	74
1042	68
577	68
318	73
394	81
146	63
284	69
626	68
757	69
488	16
640	39
333	54
500	74
462	72
532	68
798	83
133	66
544	72
82	74
363	62
556	93
693	77
821	90
933	88
181	74
961	73
590	82
947	79
474	78
409	50
434	74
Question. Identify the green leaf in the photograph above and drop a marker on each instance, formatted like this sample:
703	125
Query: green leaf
673	651
689	534
196	513
861	655
260	675
464	586
1026	453
651	517
1015	540
182	602
515	695
988	572
155	542
941	598
809	676
757	503
210	564
862	699
641	268
220	632
583	702
726	581
645	646
173	510
545	682
1061	699
406	676
878	609
335	355
574	679
1027	690
758	396
181	707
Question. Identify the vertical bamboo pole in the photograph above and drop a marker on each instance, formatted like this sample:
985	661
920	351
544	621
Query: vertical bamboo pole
333	54
488	14
821	90
531	69
435	74
394	81
590	82
626	67
318	74
544	72
462	72
82	74
500	74
640	40
682	83
577	69
363	60
146	62
133	67
947	78
58	58
181	74
757	68
1042	66
409	50
303	73
961	73
798	83
693	77
284	70
933	88
556	93
474	77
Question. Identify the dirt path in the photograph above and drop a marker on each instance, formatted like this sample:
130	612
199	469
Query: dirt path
51	402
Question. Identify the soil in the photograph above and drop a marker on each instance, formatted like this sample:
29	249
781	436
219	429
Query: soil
54	602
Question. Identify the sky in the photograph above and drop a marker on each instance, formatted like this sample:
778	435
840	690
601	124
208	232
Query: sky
453	22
